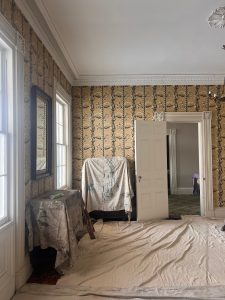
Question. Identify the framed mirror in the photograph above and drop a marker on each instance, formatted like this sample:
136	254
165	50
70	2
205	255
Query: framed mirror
41	133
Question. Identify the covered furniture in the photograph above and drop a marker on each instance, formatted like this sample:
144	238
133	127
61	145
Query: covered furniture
106	184
55	223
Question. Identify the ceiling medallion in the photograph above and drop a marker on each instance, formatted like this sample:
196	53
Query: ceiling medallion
217	18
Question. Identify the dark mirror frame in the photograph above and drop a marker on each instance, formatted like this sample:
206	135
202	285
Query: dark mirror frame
36	174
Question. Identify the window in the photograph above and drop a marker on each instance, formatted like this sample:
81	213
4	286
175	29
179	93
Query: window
62	143
5	56
12	179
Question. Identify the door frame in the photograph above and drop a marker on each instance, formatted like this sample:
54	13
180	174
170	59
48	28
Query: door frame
172	160
203	119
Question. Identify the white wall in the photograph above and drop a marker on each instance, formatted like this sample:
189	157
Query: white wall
186	154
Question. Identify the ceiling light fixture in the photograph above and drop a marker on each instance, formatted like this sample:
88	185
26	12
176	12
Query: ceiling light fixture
217	18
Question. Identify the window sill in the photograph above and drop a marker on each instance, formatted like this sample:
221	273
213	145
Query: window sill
6	225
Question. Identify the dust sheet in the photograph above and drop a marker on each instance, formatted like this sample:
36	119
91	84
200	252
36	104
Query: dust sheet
166	259
106	184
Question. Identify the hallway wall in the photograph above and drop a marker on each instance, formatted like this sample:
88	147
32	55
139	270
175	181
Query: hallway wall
187	161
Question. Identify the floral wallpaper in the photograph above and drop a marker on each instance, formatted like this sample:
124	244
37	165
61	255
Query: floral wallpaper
39	69
103	122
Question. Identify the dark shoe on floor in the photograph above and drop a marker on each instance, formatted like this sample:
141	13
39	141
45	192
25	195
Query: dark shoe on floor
174	217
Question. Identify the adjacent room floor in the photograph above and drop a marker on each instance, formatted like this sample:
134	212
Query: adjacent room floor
139	260
184	205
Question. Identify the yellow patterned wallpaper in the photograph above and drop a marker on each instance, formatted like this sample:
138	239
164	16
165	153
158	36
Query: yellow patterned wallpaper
103	119
40	69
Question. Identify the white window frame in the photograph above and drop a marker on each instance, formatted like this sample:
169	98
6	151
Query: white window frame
10	129
62	96
6	130
15	44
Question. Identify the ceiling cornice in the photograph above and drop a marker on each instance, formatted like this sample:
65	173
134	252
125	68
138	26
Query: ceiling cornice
170	79
39	25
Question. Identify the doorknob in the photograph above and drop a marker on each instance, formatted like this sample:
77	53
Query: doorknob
139	178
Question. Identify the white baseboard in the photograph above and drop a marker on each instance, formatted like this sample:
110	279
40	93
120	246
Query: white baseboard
210	213
24	273
184	191
220	212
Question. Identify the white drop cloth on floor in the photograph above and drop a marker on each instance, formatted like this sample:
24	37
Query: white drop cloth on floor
158	259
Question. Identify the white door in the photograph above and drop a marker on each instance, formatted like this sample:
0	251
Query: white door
151	170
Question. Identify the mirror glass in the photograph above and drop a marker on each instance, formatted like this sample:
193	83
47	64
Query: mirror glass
41	137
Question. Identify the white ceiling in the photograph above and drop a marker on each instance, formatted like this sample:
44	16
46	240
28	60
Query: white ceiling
137	37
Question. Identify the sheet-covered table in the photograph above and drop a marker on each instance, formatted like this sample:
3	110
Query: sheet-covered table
106	184
55	223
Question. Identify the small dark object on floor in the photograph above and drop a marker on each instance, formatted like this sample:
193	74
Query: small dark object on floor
109	216
174	217
49	277
43	263
223	228
43	260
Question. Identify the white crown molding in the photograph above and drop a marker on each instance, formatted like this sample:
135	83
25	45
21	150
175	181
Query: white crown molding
39	25
170	79
43	9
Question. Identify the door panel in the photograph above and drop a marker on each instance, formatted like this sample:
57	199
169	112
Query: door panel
151	170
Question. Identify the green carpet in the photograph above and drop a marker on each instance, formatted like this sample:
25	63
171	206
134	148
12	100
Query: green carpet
184	205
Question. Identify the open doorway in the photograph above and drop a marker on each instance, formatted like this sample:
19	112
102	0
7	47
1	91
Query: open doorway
183	169
150	163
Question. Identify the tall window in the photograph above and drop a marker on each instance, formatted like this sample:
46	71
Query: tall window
62	138
4	165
